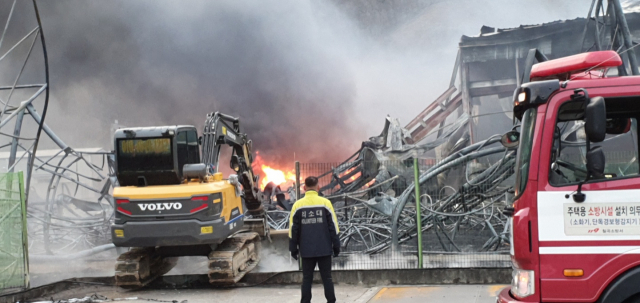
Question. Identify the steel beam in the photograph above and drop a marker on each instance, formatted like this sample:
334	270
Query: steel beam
626	36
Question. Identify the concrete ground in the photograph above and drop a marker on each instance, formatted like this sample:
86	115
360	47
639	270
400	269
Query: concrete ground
291	294
437	294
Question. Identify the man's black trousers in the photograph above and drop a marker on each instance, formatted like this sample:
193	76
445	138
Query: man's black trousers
324	265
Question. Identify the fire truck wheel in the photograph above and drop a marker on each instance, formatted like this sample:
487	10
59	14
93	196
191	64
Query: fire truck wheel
624	289
634	299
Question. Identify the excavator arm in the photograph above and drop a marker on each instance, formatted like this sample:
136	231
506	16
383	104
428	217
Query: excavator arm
221	129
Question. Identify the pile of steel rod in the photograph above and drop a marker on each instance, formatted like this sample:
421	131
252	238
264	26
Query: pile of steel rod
461	206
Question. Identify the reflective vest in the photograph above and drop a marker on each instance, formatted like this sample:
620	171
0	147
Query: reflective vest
313	227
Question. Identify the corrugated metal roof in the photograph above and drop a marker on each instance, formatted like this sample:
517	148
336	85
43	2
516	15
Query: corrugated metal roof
516	34
535	31
631	6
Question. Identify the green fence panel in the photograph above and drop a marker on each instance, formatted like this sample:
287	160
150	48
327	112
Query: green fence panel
14	267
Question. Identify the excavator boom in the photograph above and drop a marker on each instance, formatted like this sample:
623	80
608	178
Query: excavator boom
219	130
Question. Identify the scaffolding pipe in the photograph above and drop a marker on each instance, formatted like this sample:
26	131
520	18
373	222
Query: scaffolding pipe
448	163
626	37
14	142
416	176
597	28
297	166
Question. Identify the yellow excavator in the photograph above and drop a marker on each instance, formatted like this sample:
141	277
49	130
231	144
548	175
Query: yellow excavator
173	202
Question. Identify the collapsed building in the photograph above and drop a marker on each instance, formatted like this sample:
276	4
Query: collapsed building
465	174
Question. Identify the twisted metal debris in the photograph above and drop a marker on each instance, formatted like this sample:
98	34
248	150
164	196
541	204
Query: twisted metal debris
70	207
77	211
477	202
67	189
464	195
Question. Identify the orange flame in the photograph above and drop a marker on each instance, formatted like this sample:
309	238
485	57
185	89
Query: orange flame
269	174
370	183
354	177
276	176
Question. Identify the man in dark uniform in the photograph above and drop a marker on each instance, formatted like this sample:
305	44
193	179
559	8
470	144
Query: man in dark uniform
313	235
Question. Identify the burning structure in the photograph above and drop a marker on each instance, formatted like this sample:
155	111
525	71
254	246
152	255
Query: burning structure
465	174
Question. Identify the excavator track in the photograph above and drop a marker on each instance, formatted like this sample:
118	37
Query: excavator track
233	258
141	265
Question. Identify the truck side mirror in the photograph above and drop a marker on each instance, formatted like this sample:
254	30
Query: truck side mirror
595	162
595	120
510	139
595	126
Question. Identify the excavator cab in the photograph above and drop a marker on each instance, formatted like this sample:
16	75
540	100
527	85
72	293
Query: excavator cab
155	155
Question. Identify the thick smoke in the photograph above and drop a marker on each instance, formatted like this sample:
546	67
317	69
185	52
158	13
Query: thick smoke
311	78
414	61
307	78
152	63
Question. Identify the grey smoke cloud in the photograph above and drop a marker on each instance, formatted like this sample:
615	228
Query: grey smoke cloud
169	62
314	78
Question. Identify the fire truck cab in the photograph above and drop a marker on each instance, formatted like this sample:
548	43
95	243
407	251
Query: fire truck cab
576	214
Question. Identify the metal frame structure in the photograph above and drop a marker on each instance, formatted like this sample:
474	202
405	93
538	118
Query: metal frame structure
14	110
64	222
611	20
61	222
477	172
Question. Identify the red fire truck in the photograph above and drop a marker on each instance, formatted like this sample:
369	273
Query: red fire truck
576	213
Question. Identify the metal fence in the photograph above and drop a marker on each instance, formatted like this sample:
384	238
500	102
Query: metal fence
14	267
460	212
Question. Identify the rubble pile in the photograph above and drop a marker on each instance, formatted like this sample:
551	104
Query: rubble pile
462	195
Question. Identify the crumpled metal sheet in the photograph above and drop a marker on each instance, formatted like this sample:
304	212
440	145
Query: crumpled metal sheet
382	204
